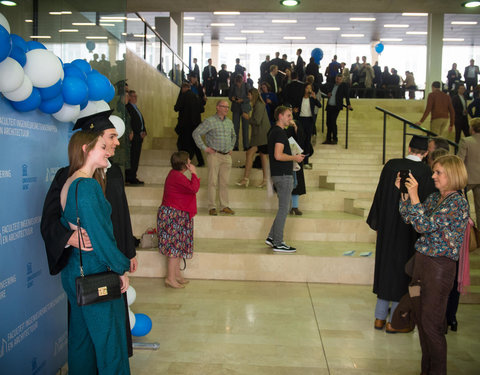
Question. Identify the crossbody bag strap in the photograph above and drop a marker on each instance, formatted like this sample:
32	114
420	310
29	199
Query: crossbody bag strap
79	230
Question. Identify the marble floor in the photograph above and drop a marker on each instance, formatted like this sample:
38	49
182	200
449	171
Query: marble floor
239	327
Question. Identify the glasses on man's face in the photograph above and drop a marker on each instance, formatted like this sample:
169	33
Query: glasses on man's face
224	106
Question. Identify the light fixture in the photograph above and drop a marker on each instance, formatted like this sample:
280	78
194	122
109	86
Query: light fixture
417	33
235	38
107	24
284	21
290	3
294	37
83	24
29	21
134	19
96	37
8	3
189	18
327	28
396	26
68	31
252	31
471	4
415	14
352	35
391	39
113	18
40	37
222	24
363	19
226	13
193	34
453	39
464	22
143	36
55	13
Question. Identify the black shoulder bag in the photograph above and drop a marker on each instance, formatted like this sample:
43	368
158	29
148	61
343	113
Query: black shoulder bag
98	287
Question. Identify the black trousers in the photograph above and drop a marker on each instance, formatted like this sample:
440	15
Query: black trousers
210	87
470	84
135	150
461	125
186	143
307	126
332	115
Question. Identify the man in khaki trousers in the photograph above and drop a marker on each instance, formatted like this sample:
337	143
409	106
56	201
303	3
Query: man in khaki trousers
219	141
441	108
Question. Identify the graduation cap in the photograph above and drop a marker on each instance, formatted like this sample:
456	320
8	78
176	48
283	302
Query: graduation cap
95	123
418	142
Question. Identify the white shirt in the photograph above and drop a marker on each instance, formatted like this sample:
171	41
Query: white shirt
305	110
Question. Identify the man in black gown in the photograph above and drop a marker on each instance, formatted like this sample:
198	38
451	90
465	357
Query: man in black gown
59	239
395	239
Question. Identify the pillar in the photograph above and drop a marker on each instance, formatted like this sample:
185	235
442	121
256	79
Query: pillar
215	45
434	49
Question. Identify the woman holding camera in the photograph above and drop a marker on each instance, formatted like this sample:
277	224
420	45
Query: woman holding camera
441	220
175	217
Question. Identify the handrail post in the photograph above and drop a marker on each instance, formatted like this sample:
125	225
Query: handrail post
145	41
346	131
404	138
384	135
323	113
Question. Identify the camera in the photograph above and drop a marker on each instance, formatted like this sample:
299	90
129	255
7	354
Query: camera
404	173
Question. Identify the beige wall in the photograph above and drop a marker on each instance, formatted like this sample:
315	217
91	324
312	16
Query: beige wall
156	98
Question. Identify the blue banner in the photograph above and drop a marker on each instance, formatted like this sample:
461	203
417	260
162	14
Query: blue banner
33	305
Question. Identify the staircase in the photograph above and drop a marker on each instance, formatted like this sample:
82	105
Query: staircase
334	244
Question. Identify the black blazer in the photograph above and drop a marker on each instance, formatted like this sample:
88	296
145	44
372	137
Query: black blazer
206	75
269	80
342	93
135	119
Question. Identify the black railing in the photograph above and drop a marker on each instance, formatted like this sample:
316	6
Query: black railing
405	123
325	96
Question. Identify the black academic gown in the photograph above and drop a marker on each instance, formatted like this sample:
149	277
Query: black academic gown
56	235
395	239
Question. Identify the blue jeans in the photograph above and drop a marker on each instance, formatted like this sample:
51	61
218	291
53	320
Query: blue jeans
381	309
283	186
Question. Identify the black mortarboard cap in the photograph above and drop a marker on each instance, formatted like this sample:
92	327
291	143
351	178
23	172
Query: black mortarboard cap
419	142
96	123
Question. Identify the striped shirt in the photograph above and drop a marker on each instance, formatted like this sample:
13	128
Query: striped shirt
219	134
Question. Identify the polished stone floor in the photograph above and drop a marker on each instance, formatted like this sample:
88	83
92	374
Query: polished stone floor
239	327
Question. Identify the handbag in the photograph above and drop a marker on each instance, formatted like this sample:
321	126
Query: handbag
97	287
149	239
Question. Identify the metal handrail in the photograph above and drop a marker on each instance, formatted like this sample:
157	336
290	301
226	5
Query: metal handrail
405	123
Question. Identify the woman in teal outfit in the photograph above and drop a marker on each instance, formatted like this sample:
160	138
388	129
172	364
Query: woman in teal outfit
97	332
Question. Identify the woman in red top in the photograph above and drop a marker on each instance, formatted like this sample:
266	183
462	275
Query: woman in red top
175	217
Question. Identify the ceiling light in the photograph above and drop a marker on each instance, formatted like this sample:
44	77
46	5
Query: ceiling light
107	24
284	21
295	37
66	12
96	37
235	38
134	19
290	3
40	37
391	39
8	3
322	28
226	13
252	31
188	18
29	21
471	4
453	39
55	13
222	24
352	35
193	34
113	18
464	22
396	26
68	31
416	33
415	14
363	19
124	34
83	24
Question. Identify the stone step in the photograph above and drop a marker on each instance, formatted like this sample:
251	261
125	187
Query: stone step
246	259
359	207
472	296
255	224
369	187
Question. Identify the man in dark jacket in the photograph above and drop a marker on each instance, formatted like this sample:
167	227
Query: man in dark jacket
209	77
461	118
139	133
336	94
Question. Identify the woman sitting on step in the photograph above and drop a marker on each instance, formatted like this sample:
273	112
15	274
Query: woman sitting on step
175	217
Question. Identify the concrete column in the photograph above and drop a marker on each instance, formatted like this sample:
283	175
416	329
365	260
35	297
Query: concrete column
215	44
373	54
434	49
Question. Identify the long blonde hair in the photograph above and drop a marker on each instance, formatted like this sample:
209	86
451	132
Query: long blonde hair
255	96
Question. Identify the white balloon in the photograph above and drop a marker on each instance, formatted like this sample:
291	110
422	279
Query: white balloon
102	105
22	93
4	22
43	68
131	295
131	317
119	124
68	113
11	75
90	109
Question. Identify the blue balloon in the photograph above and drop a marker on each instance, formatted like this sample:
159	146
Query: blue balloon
18	41
5	43
98	86
19	55
93	71
82	65
143	325
90	45
110	94
74	90
379	48
52	105
73	71
317	55
51	92
84	104
33	44
29	104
